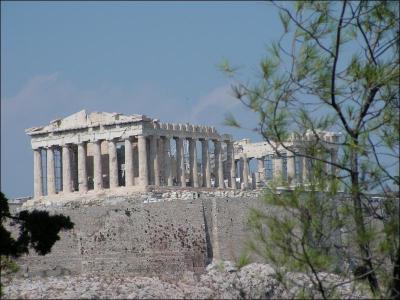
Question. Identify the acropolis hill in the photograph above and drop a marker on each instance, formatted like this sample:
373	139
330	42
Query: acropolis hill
149	197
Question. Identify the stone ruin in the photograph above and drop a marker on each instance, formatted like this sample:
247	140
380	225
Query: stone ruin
86	153
284	162
149	197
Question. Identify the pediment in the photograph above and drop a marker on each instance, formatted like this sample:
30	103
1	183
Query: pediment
82	119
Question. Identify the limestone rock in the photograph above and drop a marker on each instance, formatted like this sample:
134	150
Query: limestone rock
222	280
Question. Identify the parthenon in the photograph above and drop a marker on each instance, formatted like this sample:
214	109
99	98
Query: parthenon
91	152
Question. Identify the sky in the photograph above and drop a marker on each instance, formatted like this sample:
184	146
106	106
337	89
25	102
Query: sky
157	59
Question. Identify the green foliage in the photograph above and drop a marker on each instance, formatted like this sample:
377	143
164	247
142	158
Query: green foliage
285	19
37	229
339	73
231	121
243	260
8	265
226	68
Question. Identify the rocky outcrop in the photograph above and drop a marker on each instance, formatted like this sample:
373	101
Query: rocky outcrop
222	280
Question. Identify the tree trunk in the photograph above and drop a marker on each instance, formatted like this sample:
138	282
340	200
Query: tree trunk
359	222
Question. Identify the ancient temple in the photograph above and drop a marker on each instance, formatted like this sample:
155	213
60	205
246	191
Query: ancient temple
84	152
285	161
91	152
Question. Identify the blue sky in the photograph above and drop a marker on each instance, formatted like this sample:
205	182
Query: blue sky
158	59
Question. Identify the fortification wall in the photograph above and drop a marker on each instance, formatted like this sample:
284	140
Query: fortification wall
149	233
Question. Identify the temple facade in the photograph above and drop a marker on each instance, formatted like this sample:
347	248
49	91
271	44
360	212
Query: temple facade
288	161
83	152
86	153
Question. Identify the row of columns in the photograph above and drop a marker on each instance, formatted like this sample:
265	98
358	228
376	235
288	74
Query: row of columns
159	153
277	168
66	170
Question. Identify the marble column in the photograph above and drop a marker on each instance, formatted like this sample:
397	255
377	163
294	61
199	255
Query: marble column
154	159
37	173
261	169
306	169
193	163
82	171
152	155
277	167
231	165
180	162
113	163
51	182
161	161
235	172
205	156
217	158
66	169
245	168
221	182
240	168
97	167
143	169
128	162
167	159
291	167
216	164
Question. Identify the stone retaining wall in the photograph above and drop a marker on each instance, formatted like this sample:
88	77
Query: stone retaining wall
160	232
